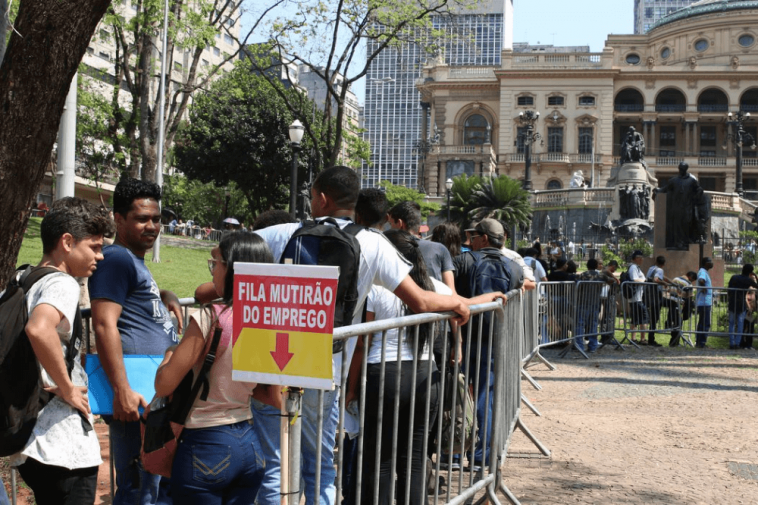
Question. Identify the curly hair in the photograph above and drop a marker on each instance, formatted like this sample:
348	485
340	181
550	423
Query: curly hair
449	235
128	189
76	216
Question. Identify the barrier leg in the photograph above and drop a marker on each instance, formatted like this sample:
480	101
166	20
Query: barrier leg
520	425
572	347
530	405
507	492
531	380
290	447
14	492
545	361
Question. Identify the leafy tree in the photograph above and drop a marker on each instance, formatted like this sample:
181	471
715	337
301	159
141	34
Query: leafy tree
134	27
503	199
239	131
338	40
396	194
462	200
47	43
205	203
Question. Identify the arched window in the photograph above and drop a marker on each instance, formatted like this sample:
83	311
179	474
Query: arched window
554	184
475	130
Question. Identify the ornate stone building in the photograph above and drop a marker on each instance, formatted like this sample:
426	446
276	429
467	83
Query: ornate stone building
674	84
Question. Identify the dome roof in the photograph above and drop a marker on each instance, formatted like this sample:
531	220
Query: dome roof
706	7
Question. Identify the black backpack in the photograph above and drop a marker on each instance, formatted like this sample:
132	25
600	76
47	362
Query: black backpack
21	397
626	289
323	242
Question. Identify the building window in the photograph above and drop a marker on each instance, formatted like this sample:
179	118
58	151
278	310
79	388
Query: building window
177	66
746	40
665	53
587	100
525	100
475	130
708	139
228	39
585	140
90	50
555	140
667	137
701	45
707	183
633	59
746	151
520	137
554	184
205	63
662	153
216	51
555	101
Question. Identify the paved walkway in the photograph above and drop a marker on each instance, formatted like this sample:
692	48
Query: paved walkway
657	425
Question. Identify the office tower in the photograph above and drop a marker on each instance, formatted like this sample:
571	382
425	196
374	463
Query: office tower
648	12
393	111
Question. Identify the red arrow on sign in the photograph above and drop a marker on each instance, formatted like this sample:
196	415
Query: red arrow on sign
282	355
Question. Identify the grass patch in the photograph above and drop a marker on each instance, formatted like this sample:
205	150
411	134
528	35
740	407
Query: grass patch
181	269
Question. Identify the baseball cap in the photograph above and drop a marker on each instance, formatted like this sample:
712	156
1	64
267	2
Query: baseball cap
637	254
491	227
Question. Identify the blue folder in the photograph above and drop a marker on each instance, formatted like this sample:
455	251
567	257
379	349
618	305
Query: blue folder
140	371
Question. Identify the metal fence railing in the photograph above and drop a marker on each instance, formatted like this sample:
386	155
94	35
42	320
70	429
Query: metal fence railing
722	312
457	421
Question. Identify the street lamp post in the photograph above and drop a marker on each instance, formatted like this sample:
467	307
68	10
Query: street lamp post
739	135
381	82
528	119
449	186
296	131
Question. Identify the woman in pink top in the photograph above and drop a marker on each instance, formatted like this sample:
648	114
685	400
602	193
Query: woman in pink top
219	457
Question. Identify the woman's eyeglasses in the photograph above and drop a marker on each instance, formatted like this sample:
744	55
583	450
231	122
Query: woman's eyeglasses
212	264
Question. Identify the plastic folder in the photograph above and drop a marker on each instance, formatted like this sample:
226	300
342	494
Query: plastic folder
140	371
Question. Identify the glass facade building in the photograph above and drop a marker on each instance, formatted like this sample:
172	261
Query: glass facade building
393	112
648	12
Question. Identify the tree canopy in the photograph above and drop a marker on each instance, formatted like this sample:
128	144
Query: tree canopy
396	194
476	198
238	131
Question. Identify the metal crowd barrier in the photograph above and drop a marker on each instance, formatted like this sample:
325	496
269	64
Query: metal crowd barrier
657	308
729	307
530	347
490	360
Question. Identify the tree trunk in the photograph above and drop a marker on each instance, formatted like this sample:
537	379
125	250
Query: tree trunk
3	27
35	76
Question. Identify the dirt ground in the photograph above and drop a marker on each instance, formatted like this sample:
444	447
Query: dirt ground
649	426
656	425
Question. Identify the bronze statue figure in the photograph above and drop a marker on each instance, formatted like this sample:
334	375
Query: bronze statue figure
687	210
632	147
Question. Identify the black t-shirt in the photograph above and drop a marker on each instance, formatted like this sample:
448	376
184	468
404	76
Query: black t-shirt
559	276
736	294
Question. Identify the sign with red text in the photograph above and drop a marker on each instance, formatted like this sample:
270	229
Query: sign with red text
283	322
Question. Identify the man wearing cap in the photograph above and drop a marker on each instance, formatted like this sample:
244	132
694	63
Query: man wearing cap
487	238
640	316
703	302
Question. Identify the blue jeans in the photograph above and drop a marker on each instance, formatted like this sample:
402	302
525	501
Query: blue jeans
134	485
3	494
484	396
221	464
309	444
586	325
703	324
736	324
267	424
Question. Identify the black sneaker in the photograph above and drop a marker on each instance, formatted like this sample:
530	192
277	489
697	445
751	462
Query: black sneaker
653	343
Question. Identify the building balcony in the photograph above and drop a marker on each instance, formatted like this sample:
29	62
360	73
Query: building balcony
552	158
637	107
671	108
552	60
484	149
713	108
576	197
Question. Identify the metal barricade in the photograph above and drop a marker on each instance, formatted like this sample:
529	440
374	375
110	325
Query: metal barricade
722	312
650	309
586	307
530	348
556	317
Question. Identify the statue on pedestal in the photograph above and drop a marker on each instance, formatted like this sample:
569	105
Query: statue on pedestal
687	210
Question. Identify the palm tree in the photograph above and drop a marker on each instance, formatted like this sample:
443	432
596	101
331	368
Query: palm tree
462	199
503	199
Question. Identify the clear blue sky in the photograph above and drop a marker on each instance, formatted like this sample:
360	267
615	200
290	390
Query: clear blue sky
571	22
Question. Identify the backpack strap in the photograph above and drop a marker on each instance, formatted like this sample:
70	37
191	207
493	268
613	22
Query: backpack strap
202	377
354	229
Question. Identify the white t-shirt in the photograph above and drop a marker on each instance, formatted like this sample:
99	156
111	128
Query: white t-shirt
635	274
538	271
381	264
385	305
58	438
513	255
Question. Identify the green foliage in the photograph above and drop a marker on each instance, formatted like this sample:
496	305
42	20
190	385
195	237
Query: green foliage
396	194
503	199
609	254
205	203
626	248
238	131
476	198
462	200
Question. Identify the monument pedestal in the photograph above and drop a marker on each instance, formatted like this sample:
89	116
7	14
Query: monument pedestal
680	262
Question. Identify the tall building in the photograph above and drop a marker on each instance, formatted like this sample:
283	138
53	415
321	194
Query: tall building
396	121
648	12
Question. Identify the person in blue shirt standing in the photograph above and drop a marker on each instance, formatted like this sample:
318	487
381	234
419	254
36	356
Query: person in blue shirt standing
703	302
130	316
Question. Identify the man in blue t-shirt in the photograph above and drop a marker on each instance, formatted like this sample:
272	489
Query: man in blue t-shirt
129	316
704	302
